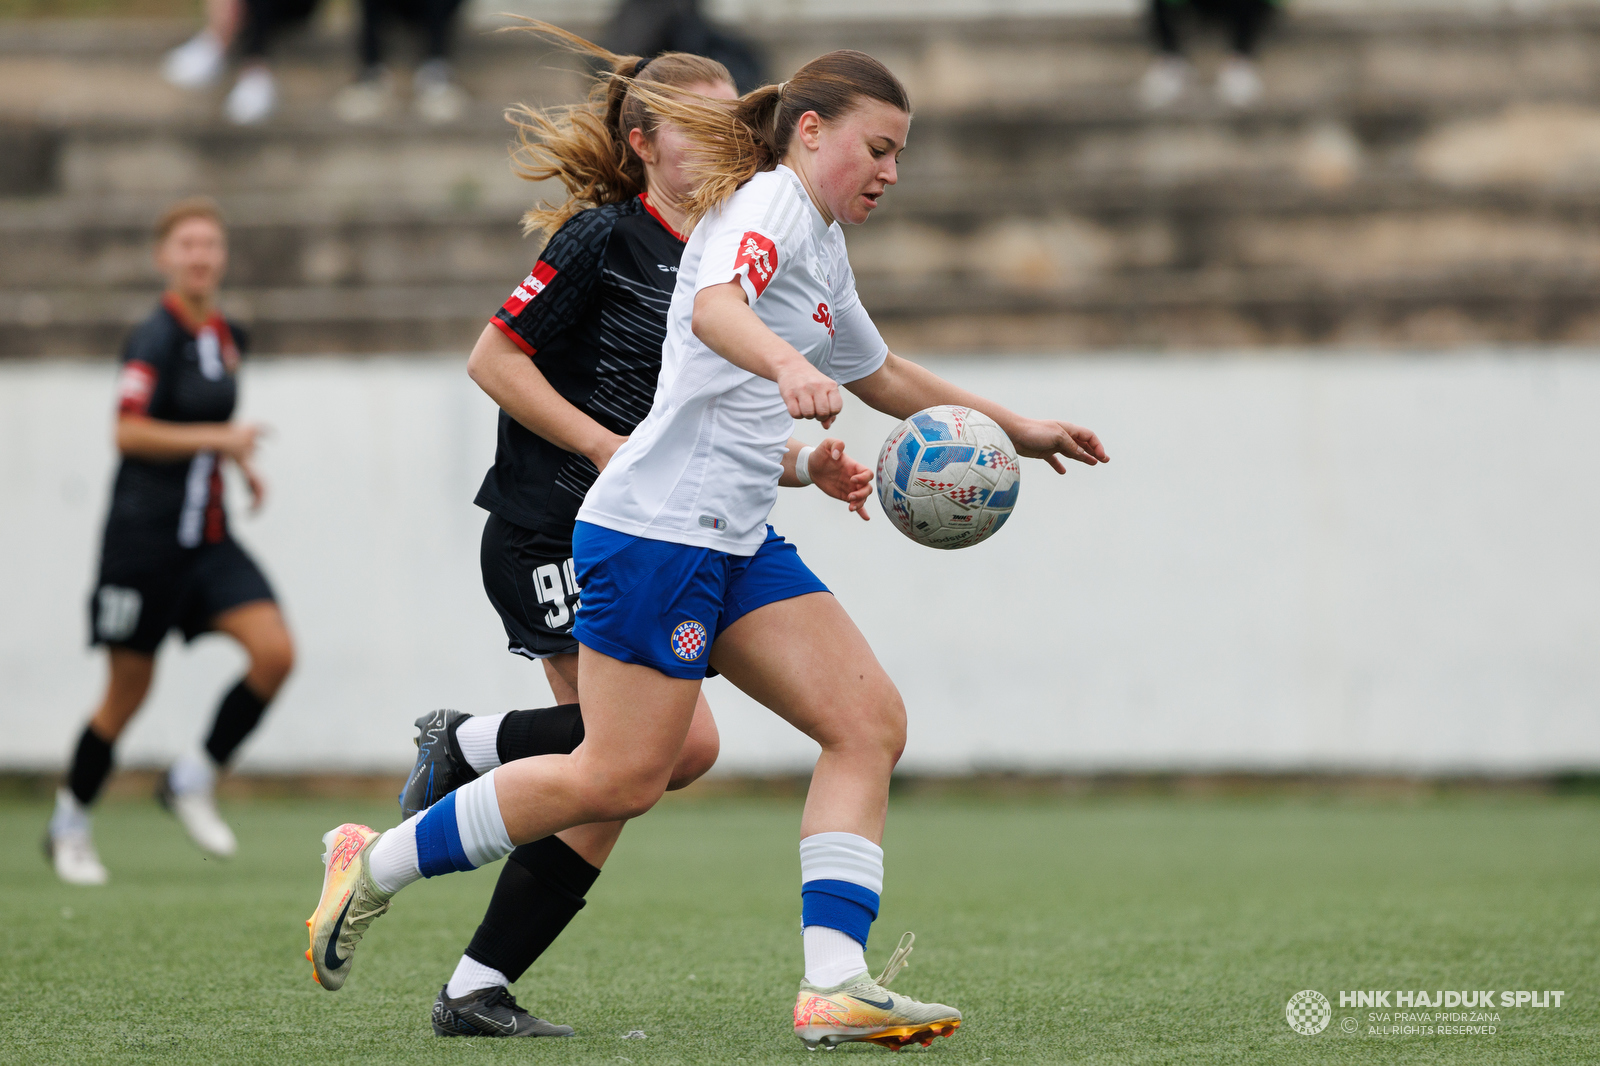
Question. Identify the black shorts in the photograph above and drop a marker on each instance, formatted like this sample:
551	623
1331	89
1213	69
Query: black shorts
133	605
529	578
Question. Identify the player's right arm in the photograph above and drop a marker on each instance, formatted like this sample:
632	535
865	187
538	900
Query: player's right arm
551	299
142	437
510	378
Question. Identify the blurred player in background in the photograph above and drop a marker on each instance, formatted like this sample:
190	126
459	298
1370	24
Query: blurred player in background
572	359
677	562
168	560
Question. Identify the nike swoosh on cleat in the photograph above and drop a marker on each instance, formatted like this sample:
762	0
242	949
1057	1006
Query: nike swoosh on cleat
330	958
887	1004
484	1019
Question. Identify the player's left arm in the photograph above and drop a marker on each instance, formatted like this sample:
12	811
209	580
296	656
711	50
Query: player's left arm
901	388
832	471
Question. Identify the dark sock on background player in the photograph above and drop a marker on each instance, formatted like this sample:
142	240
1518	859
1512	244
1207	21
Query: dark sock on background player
237	716
91	765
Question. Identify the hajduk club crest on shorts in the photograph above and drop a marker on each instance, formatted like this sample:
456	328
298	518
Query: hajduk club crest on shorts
689	641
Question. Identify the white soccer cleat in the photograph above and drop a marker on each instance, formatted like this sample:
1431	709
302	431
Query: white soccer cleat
195	63
364	101
1165	82
350	902
253	99
1238	84
187	791
69	845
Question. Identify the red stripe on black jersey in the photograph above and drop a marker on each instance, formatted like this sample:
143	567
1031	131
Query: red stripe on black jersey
135	386
532	285
499	323
216	519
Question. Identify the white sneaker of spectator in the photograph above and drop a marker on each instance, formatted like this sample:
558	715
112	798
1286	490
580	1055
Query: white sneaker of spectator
195	63
189	792
434	96
254	97
1165	82
70	846
365	100
1238	84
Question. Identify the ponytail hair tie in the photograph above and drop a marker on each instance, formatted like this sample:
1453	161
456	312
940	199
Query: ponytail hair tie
782	85
638	68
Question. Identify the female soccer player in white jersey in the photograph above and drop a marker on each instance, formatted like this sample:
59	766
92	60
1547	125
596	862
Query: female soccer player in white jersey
572	359
764	327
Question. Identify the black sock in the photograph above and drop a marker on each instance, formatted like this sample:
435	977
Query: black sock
541	888
237	715
91	765
543	731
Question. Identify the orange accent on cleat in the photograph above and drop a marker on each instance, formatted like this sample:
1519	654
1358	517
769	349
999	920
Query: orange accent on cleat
315	976
308	954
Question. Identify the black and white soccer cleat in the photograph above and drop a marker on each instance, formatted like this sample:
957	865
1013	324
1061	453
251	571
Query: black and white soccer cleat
440	768
489	1012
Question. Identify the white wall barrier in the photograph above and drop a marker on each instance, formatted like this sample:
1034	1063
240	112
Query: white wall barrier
1294	561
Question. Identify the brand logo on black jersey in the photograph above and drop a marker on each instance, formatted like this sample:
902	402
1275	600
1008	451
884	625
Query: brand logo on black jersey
663	266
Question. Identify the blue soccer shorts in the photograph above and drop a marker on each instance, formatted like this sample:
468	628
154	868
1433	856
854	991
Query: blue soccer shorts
662	605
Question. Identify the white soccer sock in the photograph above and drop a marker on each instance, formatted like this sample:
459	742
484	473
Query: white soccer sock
832	957
393	859
478	739
69	815
463	831
472	975
191	774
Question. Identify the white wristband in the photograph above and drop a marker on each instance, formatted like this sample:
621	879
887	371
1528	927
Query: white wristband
802	465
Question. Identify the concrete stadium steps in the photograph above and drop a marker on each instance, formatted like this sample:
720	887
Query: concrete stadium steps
1412	179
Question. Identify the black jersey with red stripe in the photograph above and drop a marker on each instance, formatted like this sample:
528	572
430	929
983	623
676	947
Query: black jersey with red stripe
592	315
174	370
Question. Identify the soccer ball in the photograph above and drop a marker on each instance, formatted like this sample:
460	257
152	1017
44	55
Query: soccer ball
948	477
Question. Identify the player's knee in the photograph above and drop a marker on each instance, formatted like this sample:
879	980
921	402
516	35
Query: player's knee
621	794
271	661
699	755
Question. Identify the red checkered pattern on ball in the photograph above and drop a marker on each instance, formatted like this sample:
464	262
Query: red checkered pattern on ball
688	641
969	496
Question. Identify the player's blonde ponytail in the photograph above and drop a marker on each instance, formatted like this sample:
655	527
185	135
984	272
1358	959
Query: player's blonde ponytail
585	146
731	145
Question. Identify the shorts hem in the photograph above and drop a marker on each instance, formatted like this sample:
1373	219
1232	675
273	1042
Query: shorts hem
790	592
683	671
538	656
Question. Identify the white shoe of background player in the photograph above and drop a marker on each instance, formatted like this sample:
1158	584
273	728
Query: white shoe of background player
1165	82
195	63
1238	84
188	791
69	845
253	98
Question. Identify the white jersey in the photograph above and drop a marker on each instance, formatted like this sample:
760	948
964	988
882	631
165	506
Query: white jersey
703	467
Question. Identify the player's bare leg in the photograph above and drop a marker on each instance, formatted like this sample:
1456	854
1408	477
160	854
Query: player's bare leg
805	659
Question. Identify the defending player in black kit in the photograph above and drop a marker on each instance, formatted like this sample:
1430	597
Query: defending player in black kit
168	560
572	359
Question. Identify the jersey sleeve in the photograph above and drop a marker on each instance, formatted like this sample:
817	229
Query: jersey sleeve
739	249
144	358
858	348
557	291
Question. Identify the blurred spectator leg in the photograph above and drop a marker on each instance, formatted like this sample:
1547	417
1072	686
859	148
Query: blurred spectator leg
369	98
1168	77
1238	82
255	95
199	61
434	93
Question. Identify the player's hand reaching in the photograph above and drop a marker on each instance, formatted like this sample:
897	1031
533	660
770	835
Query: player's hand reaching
840	476
239	441
257	486
1043	439
808	392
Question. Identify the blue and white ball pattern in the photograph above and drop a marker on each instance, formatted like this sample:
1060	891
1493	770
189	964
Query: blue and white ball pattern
948	477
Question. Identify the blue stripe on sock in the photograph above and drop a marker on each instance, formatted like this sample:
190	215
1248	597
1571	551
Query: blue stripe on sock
841	905
439	849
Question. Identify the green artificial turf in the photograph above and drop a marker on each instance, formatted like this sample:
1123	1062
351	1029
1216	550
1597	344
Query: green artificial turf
1150	931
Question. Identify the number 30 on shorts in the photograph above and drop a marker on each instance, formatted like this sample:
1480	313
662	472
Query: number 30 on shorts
554	584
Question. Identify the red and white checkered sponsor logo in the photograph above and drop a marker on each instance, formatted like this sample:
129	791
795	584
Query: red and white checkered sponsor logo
531	286
689	641
760	255
134	387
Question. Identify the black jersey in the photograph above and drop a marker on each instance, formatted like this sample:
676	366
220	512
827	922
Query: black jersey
592	315
176	371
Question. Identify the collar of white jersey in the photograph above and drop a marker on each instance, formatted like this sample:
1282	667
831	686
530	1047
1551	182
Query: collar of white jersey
819	225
